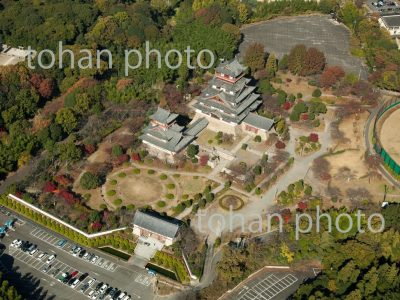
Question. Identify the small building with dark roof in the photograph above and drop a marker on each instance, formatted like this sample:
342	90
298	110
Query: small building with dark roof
163	229
164	138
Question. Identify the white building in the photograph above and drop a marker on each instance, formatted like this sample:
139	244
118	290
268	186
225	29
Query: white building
150	226
392	25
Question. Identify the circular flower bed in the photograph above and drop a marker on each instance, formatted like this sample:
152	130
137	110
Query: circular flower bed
233	202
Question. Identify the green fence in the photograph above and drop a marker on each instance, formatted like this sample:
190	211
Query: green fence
389	162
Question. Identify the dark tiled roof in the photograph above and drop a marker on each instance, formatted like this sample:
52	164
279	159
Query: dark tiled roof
259	121
156	224
231	68
391	21
163	116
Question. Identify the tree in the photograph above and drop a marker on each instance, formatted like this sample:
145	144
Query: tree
192	150
316	93
314	62
283	63
271	65
66	118
69	152
89	181
296	59
254	57
330	76
117	150
351	16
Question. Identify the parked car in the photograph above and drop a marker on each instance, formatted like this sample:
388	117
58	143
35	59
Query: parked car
14	243
127	297
103	288
82	253
94	296
76	251
73	274
73	249
55	272
62	277
112	292
46	268
42	255
84	288
94	259
33	251
75	283
51	258
18	244
61	243
91	281
85	256
121	296
83	276
98	286
91	293
117	293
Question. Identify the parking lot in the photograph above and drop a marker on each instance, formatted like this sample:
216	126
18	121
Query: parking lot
267	288
280	35
32	267
390	7
53	240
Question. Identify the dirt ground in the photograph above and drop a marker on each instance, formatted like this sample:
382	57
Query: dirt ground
297	84
190	185
348	169
390	137
104	148
138	189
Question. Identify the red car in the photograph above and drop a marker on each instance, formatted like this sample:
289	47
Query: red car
73	274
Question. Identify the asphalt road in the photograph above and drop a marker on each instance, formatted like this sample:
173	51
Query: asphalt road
280	35
131	279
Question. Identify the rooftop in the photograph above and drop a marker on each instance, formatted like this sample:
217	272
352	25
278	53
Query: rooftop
259	121
391	21
163	116
153	222
231	68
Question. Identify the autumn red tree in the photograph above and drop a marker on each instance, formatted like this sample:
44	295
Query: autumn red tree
49	187
330	76
313	137
314	62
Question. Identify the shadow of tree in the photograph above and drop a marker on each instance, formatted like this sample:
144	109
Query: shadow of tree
27	284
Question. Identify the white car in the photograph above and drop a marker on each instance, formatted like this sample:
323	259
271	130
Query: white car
85	256
121	296
94	296
94	259
51	258
91	281
91	293
42	255
75	283
127	297
18	244
103	288
14	243
33	251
